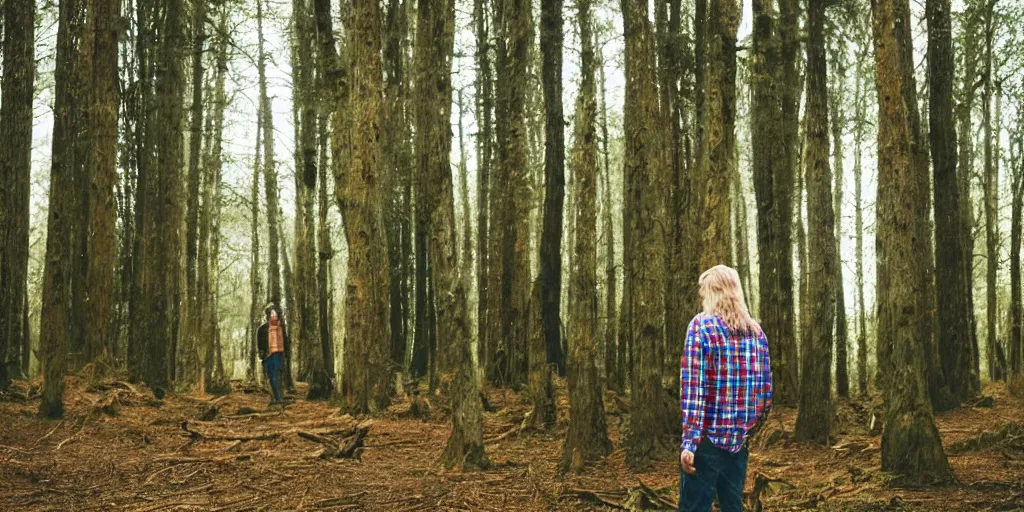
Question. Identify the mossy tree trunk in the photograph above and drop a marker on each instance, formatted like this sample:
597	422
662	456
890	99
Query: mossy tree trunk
911	447
587	439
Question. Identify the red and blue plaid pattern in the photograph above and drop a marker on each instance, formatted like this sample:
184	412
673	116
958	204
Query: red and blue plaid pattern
725	383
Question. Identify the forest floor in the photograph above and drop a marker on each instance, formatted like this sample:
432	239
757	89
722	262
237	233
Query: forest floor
118	448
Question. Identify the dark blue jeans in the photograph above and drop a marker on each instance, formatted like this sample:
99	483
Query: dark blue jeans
272	366
719	472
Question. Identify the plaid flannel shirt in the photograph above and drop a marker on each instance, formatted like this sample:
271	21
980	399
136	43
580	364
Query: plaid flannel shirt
725	383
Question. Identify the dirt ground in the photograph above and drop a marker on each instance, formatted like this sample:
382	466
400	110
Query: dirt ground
118	448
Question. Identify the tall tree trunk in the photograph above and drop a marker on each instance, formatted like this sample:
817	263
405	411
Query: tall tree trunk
546	345
55	315
326	255
255	284
965	167
911	447
269	173
397	158
190	368
587	438
435	40
214	376
837	99
143	154
18	88
513	210
614	376
991	198
773	173
953	315
485	99
554	174
367	383
645	174
676	304
814	420
1015	241
859	123
169	129
307	295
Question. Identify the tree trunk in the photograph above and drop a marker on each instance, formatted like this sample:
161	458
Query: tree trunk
859	123
614	376
18	88
209	274
587	439
485	98
953	328
911	447
255	285
554	174
773	106
965	166
814	420
190	368
714	168
991	199
269	173
326	254
512	212
396	156
837	99
435	39
367	385
55	315
102	241
645	175
1015	237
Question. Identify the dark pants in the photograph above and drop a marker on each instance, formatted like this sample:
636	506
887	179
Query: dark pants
719	472
272	366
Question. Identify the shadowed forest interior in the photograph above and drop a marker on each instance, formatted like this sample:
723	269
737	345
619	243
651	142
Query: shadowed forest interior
483	223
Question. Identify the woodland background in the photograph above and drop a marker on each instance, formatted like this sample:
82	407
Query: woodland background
451	199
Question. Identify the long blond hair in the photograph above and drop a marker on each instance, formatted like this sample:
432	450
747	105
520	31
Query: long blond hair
723	297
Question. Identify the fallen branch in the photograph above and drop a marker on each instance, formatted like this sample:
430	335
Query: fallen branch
195	434
62	443
596	498
352	448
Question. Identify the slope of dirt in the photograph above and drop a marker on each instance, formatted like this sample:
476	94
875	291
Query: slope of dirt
119	448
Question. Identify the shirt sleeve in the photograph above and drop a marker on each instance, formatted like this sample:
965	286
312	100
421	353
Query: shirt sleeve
692	386
766	378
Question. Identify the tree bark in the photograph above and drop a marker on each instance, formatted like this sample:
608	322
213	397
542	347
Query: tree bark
859	123
512	212
55	315
190	368
953	315
485	99
18	88
773	173
435	39
814	420
367	383
587	439
554	174
837	106
991	198
911	447
614	376
645	175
